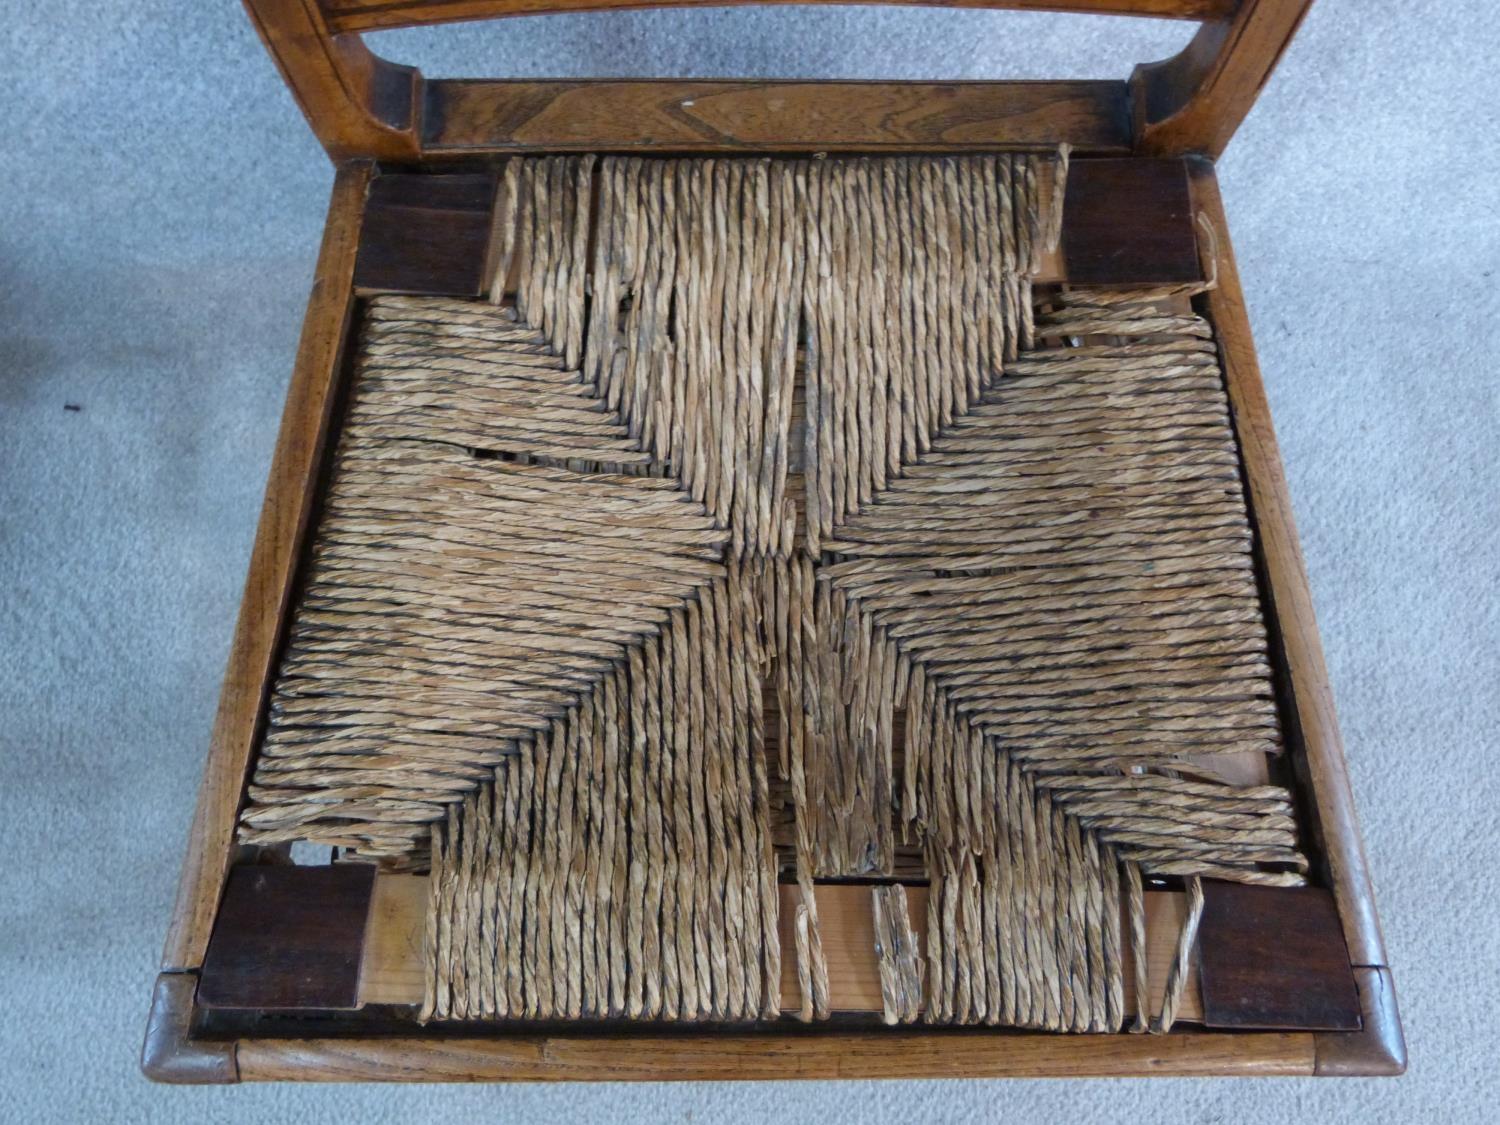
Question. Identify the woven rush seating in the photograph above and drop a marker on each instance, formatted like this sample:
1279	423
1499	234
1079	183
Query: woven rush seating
771	524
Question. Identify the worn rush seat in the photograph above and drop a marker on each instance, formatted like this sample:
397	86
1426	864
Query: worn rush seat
779	561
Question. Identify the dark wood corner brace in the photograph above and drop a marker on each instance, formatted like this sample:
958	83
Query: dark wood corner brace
1274	957
360	105
289	937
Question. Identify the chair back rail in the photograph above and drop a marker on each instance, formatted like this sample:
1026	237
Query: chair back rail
363	106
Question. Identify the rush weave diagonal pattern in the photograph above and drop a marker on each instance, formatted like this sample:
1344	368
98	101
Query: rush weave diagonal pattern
769	521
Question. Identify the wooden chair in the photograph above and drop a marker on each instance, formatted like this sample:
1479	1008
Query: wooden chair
381	122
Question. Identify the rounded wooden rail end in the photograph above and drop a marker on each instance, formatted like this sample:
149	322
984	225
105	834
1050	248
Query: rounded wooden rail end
169	1054
1379	1048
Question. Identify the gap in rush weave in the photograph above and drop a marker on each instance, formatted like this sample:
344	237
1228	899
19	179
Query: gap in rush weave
769	525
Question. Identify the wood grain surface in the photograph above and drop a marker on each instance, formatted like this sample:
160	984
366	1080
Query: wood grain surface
724	116
771	1056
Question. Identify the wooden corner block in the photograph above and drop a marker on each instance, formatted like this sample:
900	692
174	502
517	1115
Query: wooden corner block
426	235
1274	958
1129	222
288	938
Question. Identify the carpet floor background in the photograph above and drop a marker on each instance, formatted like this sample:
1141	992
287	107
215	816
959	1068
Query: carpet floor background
160	207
